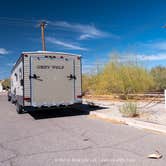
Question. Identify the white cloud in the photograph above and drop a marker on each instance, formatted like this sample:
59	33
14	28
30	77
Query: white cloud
150	51
3	51
159	45
86	31
155	57
65	45
85	36
142	57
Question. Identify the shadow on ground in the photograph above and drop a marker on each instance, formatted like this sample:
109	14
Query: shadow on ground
64	112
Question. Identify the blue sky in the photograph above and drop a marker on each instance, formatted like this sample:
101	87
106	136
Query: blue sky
92	28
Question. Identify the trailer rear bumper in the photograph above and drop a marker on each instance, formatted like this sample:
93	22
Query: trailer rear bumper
45	106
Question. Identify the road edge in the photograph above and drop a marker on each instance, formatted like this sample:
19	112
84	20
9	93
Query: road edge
131	122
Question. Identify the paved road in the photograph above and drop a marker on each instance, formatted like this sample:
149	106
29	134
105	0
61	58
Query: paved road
70	137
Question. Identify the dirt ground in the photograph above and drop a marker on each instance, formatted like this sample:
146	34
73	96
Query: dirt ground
132	97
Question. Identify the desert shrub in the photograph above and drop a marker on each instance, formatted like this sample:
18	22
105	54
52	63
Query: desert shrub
129	110
6	84
120	78
88	83
124	79
159	76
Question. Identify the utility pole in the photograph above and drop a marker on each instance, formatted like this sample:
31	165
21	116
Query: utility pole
42	25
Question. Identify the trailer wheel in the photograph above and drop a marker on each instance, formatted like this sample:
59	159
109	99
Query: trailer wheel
19	108
9	98
12	101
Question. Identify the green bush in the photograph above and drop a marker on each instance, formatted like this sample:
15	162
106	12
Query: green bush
6	84
88	83
159	76
125	78
129	110
117	77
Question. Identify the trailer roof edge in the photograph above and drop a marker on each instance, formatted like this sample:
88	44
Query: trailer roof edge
49	52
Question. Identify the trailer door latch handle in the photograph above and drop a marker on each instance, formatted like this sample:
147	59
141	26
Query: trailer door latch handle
70	77
34	76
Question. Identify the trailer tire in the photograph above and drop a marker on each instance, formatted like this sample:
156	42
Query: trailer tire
12	101
9	98
19	108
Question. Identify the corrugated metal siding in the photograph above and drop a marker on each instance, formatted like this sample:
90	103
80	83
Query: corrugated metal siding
26	78
78	76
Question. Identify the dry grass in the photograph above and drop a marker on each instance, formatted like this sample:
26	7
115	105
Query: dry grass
107	119
134	98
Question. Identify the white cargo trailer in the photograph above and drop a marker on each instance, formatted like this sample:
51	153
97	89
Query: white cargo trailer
1	88
46	79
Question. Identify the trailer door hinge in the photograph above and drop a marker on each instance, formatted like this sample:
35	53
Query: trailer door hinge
70	77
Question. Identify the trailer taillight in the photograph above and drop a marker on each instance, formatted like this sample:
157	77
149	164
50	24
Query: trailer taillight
28	99
79	96
26	55
61	56
78	58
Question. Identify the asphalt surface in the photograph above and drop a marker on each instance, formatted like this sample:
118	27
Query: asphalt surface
70	137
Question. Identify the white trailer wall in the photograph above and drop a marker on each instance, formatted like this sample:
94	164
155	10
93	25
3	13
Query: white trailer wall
1	88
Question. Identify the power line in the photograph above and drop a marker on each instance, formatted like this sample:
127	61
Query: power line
18	21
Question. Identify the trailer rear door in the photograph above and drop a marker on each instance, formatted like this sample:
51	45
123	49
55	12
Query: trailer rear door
52	81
